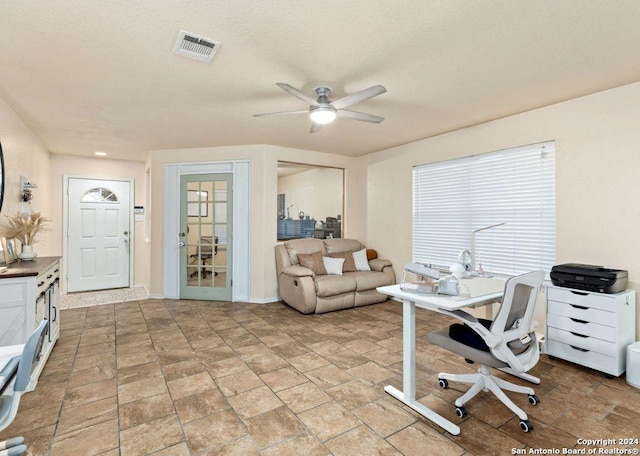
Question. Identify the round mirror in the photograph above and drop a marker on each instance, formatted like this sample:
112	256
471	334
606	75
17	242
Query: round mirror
1	177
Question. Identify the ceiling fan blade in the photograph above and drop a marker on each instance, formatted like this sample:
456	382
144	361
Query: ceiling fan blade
315	128
359	96
359	116
296	93
282	113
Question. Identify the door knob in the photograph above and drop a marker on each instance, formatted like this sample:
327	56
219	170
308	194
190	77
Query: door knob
126	233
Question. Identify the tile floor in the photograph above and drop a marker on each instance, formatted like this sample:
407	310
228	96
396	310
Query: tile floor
202	378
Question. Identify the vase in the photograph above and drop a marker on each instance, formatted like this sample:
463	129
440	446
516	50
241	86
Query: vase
27	253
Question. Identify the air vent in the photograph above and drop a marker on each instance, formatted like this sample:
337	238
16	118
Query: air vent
196	47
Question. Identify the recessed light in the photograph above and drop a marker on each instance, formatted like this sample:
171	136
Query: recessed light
101	154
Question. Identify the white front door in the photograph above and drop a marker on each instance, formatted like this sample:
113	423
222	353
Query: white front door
98	232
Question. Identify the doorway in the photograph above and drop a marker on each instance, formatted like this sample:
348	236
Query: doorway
98	226
241	218
206	215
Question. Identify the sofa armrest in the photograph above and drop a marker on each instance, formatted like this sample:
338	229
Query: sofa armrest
378	264
297	271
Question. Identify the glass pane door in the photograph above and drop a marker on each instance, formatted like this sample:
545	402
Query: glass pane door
205	262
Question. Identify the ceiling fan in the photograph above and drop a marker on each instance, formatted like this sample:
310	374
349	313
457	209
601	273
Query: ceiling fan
323	111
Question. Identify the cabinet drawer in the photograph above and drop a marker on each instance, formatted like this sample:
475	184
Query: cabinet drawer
583	298
587	343
582	313
582	327
41	284
590	359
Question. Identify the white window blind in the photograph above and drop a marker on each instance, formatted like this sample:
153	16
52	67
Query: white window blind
455	197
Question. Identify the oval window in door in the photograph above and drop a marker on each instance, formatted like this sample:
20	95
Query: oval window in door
99	195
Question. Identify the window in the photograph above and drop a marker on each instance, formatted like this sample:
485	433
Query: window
99	195
310	201
515	187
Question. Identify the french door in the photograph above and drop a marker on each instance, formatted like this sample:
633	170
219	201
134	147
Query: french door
205	236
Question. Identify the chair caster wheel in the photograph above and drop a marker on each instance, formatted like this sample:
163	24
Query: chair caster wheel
443	383
533	399
461	412
526	425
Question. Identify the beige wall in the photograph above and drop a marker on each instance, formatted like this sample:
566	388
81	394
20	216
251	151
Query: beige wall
106	169
597	177
263	204
24	155
597	163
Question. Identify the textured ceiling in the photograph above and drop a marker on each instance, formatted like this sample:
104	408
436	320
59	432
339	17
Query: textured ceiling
101	75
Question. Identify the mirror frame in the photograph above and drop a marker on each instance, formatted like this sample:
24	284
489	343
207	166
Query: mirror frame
2	177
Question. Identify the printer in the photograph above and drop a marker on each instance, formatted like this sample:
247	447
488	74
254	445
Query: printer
589	278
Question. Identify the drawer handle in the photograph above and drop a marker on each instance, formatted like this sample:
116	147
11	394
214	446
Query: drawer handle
581	293
49	276
578	307
579	335
40	283
579	349
579	321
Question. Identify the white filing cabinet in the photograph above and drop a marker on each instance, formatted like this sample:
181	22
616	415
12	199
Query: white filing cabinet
591	329
30	292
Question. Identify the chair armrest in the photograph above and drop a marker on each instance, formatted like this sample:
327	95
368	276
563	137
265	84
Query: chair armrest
378	264
297	271
489	338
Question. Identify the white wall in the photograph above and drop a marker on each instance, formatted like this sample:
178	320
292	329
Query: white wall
25	155
597	178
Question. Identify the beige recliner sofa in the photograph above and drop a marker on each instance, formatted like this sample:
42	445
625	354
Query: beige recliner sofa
309	292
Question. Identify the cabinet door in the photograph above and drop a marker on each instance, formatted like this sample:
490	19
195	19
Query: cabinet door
13	316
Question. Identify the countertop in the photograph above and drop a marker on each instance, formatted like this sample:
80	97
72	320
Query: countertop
28	268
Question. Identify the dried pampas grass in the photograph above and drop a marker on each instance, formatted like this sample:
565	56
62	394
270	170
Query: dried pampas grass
26	228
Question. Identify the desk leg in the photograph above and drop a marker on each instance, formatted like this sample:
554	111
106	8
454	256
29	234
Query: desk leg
408	396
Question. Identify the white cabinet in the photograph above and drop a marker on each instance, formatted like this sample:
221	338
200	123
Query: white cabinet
591	329
29	293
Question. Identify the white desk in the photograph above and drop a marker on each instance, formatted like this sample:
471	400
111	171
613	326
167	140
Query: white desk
483	291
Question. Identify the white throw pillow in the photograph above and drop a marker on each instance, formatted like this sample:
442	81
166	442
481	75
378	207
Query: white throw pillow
333	265
360	259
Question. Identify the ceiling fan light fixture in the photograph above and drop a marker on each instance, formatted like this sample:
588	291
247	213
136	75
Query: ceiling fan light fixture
323	115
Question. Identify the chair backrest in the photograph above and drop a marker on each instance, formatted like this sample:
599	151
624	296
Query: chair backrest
514	320
208	245
30	356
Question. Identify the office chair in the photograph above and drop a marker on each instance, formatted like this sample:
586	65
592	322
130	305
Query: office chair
17	373
207	251
507	343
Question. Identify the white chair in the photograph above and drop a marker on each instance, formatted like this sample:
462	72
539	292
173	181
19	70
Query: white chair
17	375
507	343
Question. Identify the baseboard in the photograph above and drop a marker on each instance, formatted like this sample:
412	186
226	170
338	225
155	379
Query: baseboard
265	300
155	296
142	285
